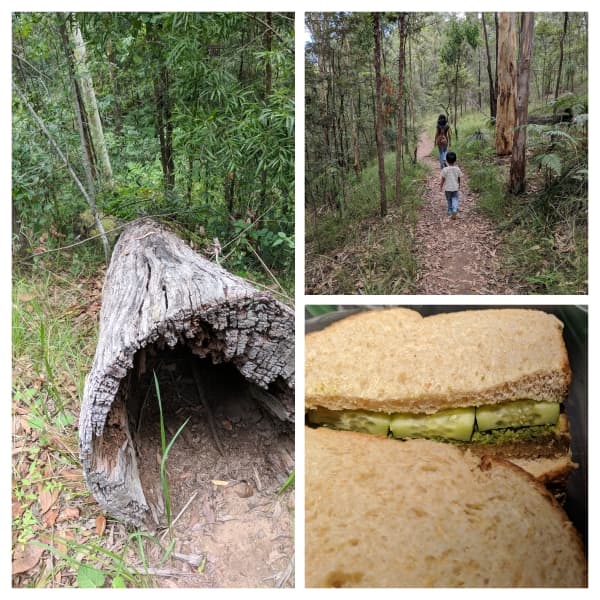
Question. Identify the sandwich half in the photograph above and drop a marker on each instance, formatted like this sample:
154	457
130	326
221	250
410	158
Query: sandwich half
491	380
426	514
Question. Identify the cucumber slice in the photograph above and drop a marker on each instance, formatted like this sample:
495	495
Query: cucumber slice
453	424
353	420
522	413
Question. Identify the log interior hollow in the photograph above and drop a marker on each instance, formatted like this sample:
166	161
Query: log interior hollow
166	309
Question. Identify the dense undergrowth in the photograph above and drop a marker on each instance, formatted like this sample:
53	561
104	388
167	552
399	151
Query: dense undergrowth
354	250
544	231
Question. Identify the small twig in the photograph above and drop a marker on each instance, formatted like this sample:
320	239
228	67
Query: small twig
193	496
167	572
274	31
265	266
210	417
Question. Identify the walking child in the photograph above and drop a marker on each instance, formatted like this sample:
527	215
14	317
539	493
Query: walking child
450	183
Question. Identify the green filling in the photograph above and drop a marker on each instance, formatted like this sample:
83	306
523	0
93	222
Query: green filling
353	420
522	434
490	424
522	413
453	424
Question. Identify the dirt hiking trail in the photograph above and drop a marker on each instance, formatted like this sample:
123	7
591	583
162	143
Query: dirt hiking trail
455	256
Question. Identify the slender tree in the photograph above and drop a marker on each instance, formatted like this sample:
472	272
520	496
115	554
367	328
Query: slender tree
492	88
518	161
379	111
86	86
561	55
505	110
402	35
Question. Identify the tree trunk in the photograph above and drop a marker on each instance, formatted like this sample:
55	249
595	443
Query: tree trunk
402	34
493	99
561	56
80	113
355	144
505	111
169	311
113	73
518	161
457	66
91	105
496	70
162	101
379	113
268	87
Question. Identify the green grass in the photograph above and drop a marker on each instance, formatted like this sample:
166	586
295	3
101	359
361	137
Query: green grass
165	450
54	318
381	249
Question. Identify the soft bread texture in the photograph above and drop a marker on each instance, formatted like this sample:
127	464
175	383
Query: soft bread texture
384	513
394	360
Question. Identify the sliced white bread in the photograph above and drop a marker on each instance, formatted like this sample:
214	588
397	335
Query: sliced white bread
384	513
394	360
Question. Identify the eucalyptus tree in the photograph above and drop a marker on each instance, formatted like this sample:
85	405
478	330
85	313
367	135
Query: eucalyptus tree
517	165
507	79
376	17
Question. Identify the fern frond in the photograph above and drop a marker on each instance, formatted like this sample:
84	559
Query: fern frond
551	162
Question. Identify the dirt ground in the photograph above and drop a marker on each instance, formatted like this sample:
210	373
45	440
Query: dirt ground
230	525
455	256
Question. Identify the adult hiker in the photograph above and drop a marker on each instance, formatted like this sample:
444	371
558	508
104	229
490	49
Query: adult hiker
442	138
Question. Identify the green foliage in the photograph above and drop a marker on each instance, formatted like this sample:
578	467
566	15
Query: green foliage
232	131
544	232
289	482
378	265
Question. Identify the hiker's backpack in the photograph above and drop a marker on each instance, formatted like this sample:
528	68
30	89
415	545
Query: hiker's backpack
442	139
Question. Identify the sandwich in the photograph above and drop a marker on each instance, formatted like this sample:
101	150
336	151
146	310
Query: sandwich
493	381
426	514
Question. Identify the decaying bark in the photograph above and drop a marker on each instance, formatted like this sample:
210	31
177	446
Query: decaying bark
159	293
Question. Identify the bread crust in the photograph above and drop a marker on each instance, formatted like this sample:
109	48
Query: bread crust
384	513
395	360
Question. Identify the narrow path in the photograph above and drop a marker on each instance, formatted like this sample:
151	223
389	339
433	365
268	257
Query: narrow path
454	256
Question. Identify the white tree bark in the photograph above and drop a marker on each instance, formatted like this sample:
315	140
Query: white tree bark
91	105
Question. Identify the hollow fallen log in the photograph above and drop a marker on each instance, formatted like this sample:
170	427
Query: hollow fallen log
159	294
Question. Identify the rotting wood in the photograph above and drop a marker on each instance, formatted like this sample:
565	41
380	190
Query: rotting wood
159	293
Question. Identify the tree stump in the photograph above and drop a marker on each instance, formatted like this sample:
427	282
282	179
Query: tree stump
161	297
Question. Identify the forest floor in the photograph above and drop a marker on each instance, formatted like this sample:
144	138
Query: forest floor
455	256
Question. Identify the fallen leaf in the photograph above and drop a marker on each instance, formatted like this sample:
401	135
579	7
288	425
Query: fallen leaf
69	514
100	524
17	509
47	499
26	558
50	518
